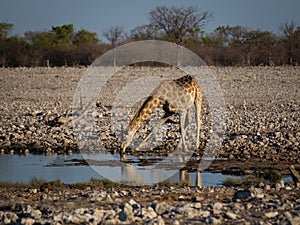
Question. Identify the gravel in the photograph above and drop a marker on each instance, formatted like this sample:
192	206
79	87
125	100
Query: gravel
263	107
151	205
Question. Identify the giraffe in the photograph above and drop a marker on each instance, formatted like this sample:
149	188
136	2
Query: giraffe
175	96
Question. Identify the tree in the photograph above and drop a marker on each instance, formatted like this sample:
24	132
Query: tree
16	52
83	37
144	32
43	39
5	28
87	45
178	23
228	36
114	34
257	46
64	33
291	40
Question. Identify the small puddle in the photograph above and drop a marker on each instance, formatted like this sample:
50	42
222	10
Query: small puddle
73	168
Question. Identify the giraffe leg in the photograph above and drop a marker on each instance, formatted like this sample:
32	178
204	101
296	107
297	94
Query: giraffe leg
189	118
123	157
154	129
182	117
198	121
186	123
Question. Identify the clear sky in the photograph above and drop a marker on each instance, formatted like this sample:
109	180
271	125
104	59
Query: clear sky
98	15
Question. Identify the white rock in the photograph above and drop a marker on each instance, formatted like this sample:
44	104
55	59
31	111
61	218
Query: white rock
98	214
271	214
217	208
231	215
149	213
160	207
36	214
197	205
27	221
204	213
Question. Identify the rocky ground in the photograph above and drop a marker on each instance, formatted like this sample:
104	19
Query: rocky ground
263	133
262	204
263	107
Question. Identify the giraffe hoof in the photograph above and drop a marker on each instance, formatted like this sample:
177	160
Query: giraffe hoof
122	156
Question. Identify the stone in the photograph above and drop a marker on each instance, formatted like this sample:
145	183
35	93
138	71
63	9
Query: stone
80	210
110	213
122	216
288	215
27	221
213	220
128	208
231	215
160	207
176	222
271	214
33	191
295	221
261	184
36	214
149	213
181	198
134	205
27	209
278	186
12	217
157	221
73	219
204	213
197	205
108	199
197	198
268	187
249	206
217	207
257	192
132	202
112	221
191	213
242	194
160	221
99	214
58	217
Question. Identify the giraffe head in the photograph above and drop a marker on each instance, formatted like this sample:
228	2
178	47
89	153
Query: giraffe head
127	140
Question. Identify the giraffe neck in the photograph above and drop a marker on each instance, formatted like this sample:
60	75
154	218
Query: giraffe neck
148	106
141	115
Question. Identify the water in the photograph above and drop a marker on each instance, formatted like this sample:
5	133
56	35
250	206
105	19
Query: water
20	168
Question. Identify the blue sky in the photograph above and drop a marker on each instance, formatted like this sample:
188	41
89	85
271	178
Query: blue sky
98	15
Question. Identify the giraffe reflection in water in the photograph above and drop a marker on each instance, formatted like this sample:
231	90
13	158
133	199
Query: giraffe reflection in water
129	173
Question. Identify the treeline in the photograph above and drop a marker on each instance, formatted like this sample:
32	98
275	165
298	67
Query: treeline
230	46
226	46
60	46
